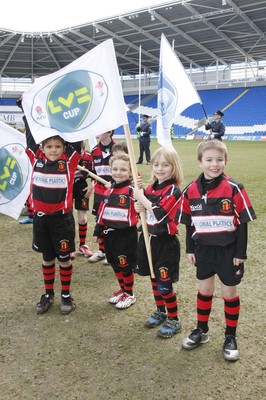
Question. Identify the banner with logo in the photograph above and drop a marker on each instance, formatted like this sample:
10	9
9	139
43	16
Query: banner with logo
176	92
81	100
15	171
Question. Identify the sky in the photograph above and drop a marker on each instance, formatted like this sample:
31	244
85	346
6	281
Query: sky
52	15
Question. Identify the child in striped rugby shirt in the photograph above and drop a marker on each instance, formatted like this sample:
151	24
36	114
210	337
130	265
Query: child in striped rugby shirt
160	201
117	219
216	209
54	163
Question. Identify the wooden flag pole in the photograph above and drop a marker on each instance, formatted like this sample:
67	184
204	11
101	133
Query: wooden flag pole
142	214
98	178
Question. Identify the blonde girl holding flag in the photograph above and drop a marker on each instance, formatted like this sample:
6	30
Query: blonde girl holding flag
160	201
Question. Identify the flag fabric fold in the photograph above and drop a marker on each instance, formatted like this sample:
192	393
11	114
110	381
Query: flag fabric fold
15	171
176	92
81	100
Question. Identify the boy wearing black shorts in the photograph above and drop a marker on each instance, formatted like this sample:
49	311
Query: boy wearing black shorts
54	163
216	209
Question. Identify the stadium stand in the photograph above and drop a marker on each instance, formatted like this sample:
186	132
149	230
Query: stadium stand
245	116
244	110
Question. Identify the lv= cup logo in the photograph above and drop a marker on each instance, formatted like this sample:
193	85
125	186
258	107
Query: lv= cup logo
72	102
11	177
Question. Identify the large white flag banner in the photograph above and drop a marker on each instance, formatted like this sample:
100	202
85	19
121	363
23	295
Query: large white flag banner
81	100
15	171
176	92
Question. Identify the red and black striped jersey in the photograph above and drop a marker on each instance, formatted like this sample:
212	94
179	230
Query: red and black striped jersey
117	209
164	198
99	159
85	163
52	181
215	213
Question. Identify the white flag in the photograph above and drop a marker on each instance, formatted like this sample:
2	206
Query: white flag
176	92
15	171
82	100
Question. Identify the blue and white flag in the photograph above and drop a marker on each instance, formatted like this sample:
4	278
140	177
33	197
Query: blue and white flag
15	171
81	100
176	92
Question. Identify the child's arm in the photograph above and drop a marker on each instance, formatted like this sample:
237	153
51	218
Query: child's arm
31	144
97	232
191	258
241	244
99	224
140	196
90	187
88	191
190	244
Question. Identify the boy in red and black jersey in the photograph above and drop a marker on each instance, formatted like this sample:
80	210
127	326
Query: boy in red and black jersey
118	220
54	164
99	160
216	209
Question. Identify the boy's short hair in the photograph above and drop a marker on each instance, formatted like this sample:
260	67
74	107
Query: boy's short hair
43	143
211	145
120	146
120	156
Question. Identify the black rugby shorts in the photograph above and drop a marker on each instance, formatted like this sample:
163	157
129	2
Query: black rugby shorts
211	260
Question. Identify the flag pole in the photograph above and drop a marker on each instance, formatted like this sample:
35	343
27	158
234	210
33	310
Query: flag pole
204	111
139	80
142	214
92	175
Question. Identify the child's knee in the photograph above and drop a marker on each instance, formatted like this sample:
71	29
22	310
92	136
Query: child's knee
164	288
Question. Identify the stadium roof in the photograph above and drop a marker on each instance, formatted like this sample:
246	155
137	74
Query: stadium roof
204	33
